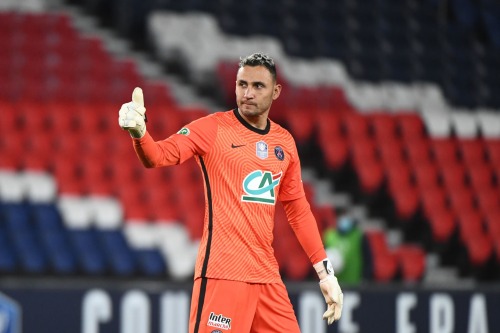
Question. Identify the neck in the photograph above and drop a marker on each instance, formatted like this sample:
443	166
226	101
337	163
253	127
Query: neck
258	121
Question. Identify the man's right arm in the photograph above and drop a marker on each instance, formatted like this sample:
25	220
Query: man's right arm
154	154
196	138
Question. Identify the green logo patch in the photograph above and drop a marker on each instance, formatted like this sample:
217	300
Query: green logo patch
184	131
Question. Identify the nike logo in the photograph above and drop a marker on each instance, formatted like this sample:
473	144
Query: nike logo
236	146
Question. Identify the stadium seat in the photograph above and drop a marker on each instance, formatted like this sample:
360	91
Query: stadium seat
461	200
8	261
397	175
432	198
383	126
150	262
417	150
59	251
117	251
480	177
390	152
444	150
493	152
472	151
442	225
385	264
470	225
425	174
412	262
452	176
89	252
480	251
370	176
488	199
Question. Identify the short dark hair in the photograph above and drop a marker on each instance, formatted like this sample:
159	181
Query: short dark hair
259	59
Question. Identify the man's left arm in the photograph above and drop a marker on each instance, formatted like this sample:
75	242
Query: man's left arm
304	225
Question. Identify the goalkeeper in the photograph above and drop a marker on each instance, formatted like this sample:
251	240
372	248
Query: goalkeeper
248	163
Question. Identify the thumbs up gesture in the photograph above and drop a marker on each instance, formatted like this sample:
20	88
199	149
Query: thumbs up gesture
132	115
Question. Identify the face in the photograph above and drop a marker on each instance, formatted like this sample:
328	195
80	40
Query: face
255	91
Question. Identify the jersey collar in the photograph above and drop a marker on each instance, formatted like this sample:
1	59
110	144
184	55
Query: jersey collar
250	127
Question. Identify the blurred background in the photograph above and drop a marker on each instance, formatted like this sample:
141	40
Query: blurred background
395	109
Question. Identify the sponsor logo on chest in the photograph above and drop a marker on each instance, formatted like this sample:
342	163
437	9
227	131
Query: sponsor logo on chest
260	186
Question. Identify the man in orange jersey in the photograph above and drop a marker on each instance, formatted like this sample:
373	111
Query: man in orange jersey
248	162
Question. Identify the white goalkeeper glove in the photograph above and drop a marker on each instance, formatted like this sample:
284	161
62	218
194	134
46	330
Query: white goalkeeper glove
331	290
132	115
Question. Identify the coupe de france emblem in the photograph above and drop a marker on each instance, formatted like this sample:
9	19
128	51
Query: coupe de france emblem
261	150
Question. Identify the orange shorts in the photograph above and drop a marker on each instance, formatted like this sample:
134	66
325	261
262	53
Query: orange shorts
223	306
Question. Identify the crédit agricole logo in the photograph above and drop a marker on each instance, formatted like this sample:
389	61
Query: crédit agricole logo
259	187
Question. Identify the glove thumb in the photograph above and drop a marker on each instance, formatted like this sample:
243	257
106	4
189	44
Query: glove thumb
138	97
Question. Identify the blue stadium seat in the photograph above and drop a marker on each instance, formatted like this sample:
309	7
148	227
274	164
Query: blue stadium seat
88	251
150	262
46	217
8	262
16	217
31	255
118	252
60	253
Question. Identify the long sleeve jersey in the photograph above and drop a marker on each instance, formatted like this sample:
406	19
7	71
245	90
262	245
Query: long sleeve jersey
246	171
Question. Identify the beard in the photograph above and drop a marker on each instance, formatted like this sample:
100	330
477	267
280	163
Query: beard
253	109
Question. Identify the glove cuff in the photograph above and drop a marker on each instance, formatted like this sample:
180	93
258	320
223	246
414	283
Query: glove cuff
324	269
137	133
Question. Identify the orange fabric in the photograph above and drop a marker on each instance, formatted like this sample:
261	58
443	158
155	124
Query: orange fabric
304	226
245	172
254	308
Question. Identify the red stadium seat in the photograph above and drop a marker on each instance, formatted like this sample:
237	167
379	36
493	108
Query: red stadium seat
406	202
417	150
328	122
472	151
383	126
492	219
480	176
444	150
410	126
461	200
356	126
370	175
397	175
470	225
492	147
362	150
335	151
385	264
390	151
479	249
333	98
425	174
452	176
412	262
488	199
432	198
300	122
442	224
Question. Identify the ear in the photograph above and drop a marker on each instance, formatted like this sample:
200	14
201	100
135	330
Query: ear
277	91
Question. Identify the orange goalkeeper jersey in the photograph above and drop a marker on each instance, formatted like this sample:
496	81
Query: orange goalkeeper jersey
246	171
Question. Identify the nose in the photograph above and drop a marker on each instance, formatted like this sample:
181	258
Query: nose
248	93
